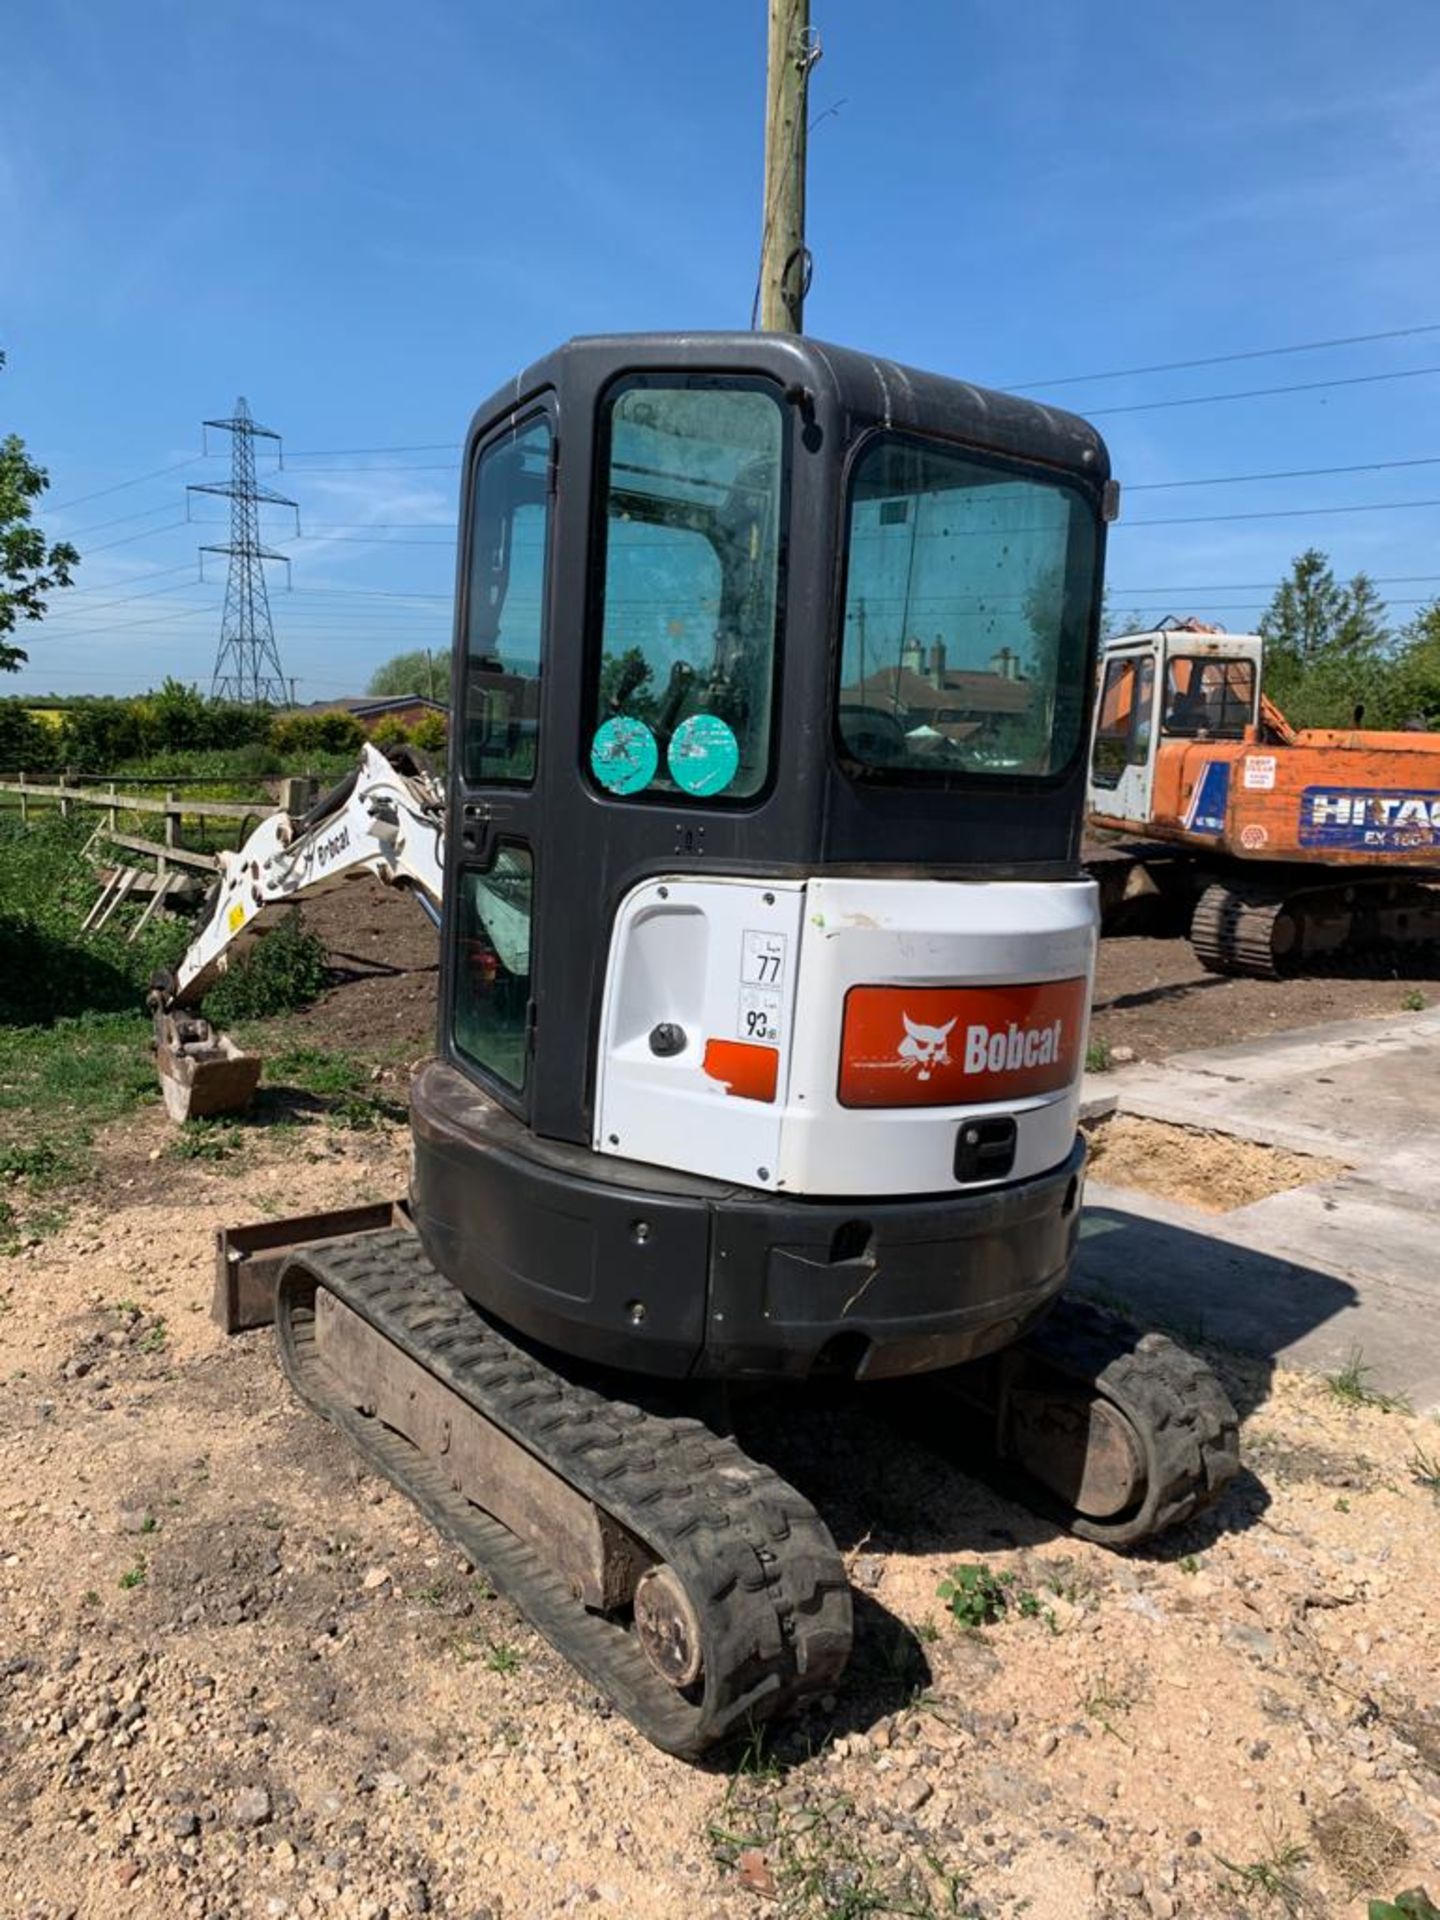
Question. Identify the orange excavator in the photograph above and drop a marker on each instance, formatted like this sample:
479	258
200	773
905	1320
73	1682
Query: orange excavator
1294	845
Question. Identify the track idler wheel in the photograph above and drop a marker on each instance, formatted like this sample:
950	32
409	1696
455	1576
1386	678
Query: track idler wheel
1125	1432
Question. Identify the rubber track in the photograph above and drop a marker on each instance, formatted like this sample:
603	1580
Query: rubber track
1232	932
1188	1431
755	1558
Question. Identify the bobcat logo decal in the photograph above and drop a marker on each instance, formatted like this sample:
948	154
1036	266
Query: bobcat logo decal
924	1047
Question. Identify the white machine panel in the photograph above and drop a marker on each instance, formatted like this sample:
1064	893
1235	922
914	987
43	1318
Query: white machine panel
716	960
793	1036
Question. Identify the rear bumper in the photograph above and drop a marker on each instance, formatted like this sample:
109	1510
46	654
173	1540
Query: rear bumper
664	1274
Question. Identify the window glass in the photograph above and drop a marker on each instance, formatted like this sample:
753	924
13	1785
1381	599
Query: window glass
968	602
1112	728
510	512
492	982
1144	706
693	549
1213	697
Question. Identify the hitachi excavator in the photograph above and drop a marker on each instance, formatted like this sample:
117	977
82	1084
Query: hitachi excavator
766	966
1285	846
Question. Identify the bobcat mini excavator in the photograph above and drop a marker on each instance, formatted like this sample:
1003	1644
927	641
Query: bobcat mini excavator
766	966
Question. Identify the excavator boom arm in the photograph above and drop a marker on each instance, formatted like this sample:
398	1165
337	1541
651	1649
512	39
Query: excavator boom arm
377	821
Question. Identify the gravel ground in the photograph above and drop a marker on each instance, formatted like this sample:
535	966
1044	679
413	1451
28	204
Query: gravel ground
239	1677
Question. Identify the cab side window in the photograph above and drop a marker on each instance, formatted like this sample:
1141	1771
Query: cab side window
509	529
1112	729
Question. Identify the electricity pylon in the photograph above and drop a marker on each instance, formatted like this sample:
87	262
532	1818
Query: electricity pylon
247	665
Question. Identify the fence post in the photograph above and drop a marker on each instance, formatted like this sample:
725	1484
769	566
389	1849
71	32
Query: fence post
24	803
63	802
172	832
111	815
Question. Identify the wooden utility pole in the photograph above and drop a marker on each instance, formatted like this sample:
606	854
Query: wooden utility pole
784	263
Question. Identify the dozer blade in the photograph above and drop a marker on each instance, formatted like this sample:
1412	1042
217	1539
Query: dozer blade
202	1072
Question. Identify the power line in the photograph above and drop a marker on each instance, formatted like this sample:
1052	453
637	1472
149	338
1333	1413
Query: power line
1226	359
1268	586
62	506
145	533
120	520
1286	513
1287	473
322	453
1262	393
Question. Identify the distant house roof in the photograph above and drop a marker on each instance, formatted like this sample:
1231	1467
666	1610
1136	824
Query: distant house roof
958	692
374	706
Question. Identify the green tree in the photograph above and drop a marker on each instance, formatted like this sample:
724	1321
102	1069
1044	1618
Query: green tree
30	568
1417	669
422	672
1327	646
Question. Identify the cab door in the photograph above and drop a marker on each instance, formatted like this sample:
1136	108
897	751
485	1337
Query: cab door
1122	758
493	857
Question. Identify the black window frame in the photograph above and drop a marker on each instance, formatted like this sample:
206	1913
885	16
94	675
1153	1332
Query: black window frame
652	378
866	775
543	408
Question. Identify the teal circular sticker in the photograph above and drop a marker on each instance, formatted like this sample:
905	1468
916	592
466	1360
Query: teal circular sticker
704	754
624	755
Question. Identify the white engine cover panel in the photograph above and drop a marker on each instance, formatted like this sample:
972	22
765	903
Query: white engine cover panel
718	960
926	934
754	977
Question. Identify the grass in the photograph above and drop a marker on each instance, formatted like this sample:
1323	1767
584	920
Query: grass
501	1657
1425	1470
1413	1001
1271	1879
134	1576
1097	1057
810	1857
1351	1386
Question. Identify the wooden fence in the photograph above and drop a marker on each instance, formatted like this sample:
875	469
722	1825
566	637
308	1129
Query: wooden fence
173	810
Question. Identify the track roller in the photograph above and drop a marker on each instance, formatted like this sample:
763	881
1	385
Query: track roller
1120	1434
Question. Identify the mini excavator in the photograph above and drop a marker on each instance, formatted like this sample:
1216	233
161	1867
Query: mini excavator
766	966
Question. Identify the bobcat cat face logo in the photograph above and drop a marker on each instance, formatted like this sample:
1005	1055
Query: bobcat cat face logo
924	1047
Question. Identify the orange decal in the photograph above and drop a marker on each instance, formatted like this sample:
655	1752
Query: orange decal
749	1072
955	1046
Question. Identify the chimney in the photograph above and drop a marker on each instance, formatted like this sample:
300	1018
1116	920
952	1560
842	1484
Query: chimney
911	657
937	663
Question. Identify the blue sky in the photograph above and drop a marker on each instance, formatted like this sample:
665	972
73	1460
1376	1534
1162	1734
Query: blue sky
365	217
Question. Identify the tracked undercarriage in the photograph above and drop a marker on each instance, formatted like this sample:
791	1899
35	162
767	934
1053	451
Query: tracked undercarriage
699	1591
1268	927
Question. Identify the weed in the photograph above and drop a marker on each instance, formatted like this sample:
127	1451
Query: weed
1097	1057
270	1520
1342	1505
1358	1842
90	1597
1189	1564
1425	1470
501	1657
1106	1701
807	1853
154	1340
134	1576
149	1523
1271	1878
975	1596
431	1596
1351	1385
285	970
926	1631
1413	1001
206	1140
1416	1904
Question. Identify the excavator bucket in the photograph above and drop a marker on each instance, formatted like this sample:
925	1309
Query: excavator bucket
202	1072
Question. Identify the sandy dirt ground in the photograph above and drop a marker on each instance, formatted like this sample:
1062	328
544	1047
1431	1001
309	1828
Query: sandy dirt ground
238	1677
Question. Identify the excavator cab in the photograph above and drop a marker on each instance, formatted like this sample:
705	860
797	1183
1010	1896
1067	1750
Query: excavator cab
767	955
1182	683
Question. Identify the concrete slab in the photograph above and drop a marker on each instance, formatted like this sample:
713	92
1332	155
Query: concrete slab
1310	1275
